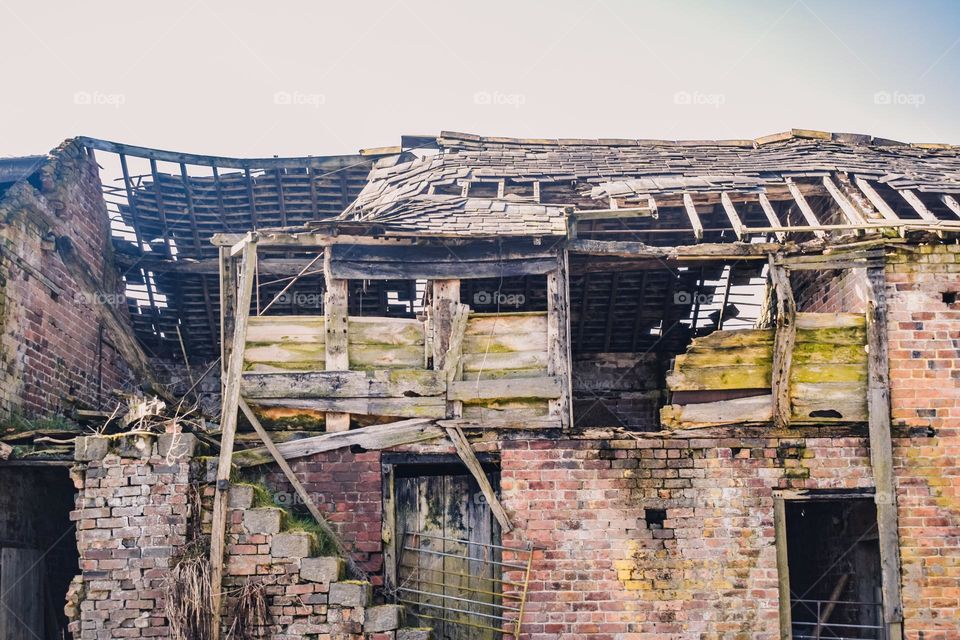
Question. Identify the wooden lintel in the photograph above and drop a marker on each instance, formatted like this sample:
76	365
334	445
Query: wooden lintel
469	458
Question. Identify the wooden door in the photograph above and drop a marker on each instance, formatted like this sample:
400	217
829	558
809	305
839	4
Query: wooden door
446	551
21	594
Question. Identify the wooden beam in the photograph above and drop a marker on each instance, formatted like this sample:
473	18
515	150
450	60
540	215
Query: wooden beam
846	207
640	250
881	450
376	437
951	203
380	383
558	340
772	218
917	205
228	430
355	570
469	458
783	566
693	217
336	348
731	212
805	209
472	390
876	200
785	336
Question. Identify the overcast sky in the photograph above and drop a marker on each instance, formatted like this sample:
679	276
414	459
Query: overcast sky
245	78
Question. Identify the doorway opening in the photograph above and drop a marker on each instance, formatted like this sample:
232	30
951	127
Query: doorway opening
833	555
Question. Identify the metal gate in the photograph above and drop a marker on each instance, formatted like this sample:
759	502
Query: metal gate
434	586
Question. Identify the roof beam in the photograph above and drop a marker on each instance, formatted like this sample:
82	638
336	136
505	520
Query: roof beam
805	209
731	212
951	204
876	200
917	205
772	217
849	211
692	215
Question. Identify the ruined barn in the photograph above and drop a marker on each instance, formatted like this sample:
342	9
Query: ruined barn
477	388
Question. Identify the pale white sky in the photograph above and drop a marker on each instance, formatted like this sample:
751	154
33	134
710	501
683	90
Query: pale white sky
247	78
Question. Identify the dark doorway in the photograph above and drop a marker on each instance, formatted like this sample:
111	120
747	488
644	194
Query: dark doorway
38	551
834	565
447	553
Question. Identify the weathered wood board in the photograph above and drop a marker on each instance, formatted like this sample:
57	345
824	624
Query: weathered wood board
827	374
22	586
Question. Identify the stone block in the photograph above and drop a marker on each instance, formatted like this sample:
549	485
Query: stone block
329	569
414	633
177	446
135	445
294	544
241	496
349	594
267	520
90	448
387	617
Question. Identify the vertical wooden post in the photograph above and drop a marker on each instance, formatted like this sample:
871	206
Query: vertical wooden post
445	312
881	451
558	339
783	569
785	336
228	310
336	316
228	429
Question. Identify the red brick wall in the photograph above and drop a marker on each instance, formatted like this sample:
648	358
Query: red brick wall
346	487
710	573
53	353
832	291
924	333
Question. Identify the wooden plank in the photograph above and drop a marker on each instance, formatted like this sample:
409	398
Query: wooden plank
515	409
816	353
785	336
846	207
355	570
469	458
917	204
507	424
22	594
697	356
771	215
732	216
376	437
485	325
693	217
520	341
471	391
881	452
717	378
474	362
429	407
830	372
876	200
228	429
382	383
707	251
736	338
805	209
846	399
337	341
558	339
808	320
312	329
739	410
355	270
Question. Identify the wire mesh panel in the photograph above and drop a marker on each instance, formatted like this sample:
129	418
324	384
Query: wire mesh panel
837	620
469	589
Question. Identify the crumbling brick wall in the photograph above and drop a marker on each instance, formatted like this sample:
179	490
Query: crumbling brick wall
346	487
830	291
924	331
710	572
132	513
54	354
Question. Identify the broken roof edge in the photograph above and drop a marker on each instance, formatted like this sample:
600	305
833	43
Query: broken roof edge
806	134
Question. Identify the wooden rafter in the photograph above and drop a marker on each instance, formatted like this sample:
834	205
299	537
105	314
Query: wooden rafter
731	212
846	207
805	209
951	203
772	218
876	200
693	216
914	201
